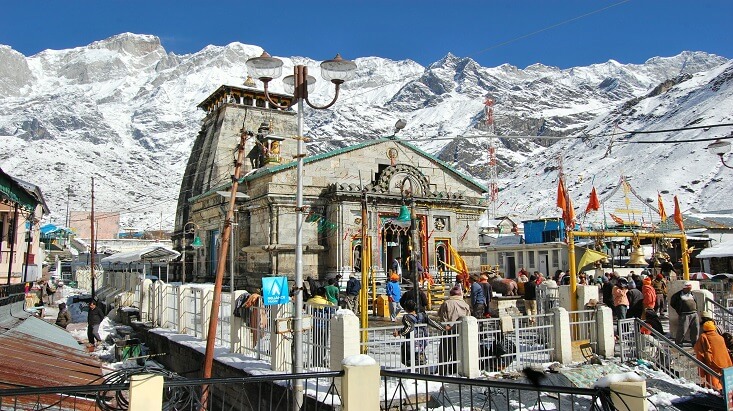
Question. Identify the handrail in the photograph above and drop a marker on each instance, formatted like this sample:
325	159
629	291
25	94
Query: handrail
491	383
676	347
719	305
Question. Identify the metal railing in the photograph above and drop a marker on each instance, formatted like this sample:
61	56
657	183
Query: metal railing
223	326
723	316
721	290
191	310
402	391
530	341
425	350
263	392
316	340
169	308
649	345
583	327
547	299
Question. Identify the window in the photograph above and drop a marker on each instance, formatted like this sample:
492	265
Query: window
555	259
530	258
520	259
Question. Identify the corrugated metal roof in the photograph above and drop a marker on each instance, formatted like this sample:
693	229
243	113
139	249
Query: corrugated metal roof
31	362
34	353
37	328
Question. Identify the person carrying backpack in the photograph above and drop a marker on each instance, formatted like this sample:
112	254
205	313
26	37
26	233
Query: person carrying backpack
409	323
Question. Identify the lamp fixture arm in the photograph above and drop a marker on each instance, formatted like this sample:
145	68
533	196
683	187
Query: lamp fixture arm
269	99
722	161
335	97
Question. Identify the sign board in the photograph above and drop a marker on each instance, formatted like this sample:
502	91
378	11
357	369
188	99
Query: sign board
728	387
275	290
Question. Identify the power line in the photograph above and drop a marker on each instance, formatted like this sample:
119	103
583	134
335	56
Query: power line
471	137
504	43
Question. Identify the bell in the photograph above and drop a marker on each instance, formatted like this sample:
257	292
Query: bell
404	219
636	258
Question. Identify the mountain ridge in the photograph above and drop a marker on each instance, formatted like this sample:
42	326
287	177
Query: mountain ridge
123	109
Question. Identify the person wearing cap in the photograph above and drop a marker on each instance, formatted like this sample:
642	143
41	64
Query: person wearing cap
453	309
394	293
660	288
683	302
620	300
64	317
710	349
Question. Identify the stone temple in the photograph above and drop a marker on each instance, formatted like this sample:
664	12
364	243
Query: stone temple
397	178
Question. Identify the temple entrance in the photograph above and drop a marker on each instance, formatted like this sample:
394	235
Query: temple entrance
395	243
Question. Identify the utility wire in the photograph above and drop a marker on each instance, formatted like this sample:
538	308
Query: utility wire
504	43
470	137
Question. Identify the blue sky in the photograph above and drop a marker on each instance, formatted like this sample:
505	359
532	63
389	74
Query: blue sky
492	32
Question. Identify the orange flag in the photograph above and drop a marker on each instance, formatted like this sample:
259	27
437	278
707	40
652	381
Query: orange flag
662	213
569	214
593	204
617	219
561	194
678	215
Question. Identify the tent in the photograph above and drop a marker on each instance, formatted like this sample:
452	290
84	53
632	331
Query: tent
718	251
155	252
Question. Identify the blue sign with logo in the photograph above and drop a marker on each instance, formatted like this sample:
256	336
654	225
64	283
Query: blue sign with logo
275	290
728	387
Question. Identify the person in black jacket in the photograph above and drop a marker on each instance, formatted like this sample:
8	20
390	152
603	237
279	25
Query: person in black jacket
410	296
95	317
636	301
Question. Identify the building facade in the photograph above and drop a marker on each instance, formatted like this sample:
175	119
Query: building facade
21	209
390	172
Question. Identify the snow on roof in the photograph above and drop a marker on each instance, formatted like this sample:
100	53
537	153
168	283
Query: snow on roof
153	252
721	250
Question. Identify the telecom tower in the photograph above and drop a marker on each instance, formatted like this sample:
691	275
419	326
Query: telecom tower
493	184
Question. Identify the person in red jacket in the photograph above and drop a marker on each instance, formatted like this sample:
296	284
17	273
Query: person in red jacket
650	295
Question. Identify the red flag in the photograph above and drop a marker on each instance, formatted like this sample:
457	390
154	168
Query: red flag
660	204
593	204
568	214
678	215
617	219
561	194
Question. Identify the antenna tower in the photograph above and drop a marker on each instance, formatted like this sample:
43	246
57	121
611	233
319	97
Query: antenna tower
493	176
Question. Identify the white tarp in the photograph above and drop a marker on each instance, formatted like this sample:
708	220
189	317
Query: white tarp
155	252
721	250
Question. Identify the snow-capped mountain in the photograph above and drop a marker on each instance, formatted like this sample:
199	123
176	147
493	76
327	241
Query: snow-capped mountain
124	111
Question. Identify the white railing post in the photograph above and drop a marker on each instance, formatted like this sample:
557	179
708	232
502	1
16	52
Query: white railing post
344	342
563	339
145	286
280	347
344	338
604	332
182	317
468	352
360	383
